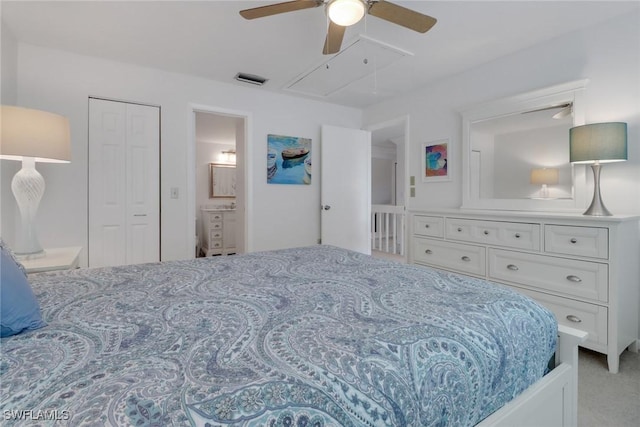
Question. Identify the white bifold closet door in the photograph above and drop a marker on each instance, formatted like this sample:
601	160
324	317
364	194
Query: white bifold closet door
124	183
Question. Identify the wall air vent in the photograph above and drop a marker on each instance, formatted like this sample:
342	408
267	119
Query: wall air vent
250	78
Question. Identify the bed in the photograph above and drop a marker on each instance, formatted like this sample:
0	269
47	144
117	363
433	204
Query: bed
313	336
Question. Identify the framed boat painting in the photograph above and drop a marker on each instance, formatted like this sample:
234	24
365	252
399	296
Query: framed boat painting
435	161
288	160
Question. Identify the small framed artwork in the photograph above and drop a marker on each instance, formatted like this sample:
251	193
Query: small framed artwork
435	161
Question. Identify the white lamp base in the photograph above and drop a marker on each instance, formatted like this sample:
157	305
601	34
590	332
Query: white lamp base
28	187
596	208
544	192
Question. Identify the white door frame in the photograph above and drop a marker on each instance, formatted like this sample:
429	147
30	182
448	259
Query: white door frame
246	158
402	120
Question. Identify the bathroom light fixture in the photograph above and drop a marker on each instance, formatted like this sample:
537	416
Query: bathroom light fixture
595	144
31	136
346	12
230	155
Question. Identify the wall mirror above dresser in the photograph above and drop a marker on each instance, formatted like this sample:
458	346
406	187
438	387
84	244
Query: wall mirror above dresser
515	152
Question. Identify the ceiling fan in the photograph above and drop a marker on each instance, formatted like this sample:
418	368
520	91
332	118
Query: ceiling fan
343	13
566	110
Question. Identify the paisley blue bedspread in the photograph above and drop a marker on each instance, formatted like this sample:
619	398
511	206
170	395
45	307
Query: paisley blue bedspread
314	336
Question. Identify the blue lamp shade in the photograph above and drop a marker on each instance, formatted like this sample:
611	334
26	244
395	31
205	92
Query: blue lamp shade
598	142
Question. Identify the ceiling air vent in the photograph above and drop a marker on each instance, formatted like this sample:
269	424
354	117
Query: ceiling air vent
250	78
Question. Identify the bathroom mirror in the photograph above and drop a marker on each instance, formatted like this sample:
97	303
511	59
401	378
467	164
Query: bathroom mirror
222	180
516	152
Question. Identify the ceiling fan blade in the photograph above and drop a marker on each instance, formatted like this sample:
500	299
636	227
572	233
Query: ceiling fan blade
551	107
333	42
275	9
402	16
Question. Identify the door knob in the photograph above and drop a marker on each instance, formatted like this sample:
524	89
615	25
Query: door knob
326	207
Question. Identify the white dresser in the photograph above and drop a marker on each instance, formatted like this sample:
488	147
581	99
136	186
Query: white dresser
584	269
218	231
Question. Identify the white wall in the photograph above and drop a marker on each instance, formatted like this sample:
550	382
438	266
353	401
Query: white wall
8	66
62	82
516	153
8	96
382	171
607	54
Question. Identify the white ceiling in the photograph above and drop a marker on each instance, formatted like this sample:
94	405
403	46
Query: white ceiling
209	38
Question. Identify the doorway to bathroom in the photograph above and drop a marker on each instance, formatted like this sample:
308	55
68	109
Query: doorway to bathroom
219	189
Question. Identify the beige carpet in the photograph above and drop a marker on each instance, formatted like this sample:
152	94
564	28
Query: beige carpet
604	399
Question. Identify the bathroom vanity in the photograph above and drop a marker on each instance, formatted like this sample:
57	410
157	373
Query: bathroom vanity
218	231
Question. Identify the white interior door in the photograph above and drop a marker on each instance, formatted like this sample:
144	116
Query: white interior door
124	181
346	188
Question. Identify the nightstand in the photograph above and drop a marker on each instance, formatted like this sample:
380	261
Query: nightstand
55	259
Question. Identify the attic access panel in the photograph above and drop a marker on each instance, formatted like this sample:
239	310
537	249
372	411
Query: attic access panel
361	58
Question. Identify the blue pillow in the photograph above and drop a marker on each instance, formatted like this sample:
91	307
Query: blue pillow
19	309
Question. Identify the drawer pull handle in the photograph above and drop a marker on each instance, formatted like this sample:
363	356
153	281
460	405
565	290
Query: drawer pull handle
573	278
486	232
139	214
517	235
428	252
573	240
426	226
573	318
459	230
512	267
466	258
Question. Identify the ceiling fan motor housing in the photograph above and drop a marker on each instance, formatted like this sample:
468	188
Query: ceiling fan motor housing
346	12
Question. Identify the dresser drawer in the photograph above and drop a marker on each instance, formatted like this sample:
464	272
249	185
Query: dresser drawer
213	217
431	226
581	241
215	244
454	256
567	276
216	226
590	318
516	235
215	234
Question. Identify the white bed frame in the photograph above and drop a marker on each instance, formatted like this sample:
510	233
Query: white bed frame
553	400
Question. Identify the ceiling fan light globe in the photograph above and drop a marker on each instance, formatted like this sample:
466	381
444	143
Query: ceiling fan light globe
345	12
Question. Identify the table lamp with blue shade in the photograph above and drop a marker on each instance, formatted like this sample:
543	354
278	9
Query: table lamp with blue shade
31	136
595	144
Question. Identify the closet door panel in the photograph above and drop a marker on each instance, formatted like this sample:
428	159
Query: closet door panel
143	183
124	183
107	201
